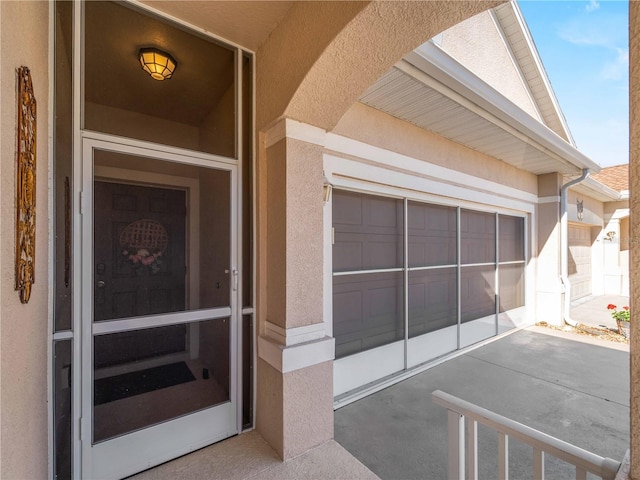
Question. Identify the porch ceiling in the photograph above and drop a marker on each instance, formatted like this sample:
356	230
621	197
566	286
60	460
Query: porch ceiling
245	23
431	90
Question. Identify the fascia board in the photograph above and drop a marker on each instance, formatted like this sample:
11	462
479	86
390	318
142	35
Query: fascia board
597	190
435	63
535	57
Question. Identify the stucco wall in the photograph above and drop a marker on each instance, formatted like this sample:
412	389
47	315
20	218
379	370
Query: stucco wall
634	183
477	44
24	40
377	128
324	79
592	209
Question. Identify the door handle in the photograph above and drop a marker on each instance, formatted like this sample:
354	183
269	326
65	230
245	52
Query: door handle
235	279
100	284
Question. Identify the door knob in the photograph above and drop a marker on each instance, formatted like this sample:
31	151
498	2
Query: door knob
101	284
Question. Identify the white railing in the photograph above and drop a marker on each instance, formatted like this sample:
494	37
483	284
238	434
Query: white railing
541	443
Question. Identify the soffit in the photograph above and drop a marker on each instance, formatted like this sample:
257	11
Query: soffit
523	48
439	95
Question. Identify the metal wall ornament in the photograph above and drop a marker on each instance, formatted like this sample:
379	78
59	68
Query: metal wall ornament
26	186
580	208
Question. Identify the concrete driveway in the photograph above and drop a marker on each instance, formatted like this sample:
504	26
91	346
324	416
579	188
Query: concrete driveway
559	384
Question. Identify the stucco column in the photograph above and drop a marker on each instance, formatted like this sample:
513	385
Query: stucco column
549	286
295	357
611	271
634	185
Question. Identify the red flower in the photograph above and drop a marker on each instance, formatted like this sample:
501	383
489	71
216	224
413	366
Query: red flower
611	306
626	308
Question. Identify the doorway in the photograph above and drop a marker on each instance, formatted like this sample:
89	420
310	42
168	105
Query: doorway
160	319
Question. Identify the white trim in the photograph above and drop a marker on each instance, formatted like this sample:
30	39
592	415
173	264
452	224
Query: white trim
355	395
296	357
353	175
236	270
549	199
515	62
540	67
140	323
357	370
287	128
91	460
80	362
190	27
597	190
131	145
296	335
397	161
435	68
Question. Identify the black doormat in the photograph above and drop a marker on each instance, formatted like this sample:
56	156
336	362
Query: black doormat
135	383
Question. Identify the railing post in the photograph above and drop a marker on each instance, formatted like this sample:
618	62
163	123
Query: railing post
456	445
472	455
538	464
541	443
503	457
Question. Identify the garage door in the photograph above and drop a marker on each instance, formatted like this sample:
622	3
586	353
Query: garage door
580	261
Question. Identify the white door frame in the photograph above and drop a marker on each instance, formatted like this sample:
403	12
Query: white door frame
174	437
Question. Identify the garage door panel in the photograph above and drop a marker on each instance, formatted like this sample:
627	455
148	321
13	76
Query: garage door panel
579	261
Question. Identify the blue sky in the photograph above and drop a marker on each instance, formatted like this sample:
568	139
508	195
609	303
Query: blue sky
584	48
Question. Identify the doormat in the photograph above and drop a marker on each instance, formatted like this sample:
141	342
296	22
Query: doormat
129	384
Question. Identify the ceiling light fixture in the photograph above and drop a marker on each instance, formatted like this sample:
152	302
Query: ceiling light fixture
160	65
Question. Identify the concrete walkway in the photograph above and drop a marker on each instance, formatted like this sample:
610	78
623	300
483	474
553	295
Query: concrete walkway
569	387
573	387
593	310
249	457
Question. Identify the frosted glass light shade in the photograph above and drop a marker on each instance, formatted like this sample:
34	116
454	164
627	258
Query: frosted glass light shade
160	65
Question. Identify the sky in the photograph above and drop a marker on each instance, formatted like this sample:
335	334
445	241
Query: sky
585	51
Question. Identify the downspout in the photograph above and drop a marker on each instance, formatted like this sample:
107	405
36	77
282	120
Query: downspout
564	246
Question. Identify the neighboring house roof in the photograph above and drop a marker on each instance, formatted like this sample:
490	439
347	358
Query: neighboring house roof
616	177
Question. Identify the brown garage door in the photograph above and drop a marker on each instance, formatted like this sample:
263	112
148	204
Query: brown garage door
580	261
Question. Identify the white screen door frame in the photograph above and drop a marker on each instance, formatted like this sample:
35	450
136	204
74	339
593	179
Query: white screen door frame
141	449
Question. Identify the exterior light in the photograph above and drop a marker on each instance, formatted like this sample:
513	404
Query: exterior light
160	65
326	189
610	235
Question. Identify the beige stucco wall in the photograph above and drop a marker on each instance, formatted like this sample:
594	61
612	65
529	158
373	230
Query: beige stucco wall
548	285
374	127
593	210
24	40
295	251
477	44
320	45
634	183
133	124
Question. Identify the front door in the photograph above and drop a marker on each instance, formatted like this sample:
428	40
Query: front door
159	320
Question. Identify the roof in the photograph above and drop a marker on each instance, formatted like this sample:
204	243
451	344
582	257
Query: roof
516	34
435	92
616	177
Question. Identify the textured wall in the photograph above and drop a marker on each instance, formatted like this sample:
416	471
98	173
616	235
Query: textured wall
23	328
374	127
324	44
477	44
634	261
549	287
